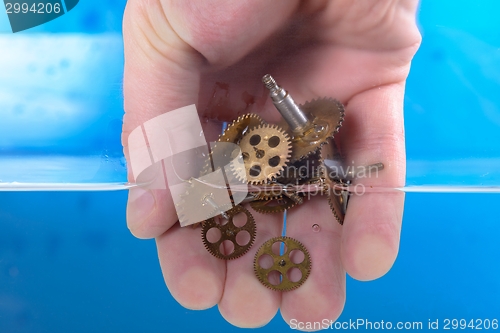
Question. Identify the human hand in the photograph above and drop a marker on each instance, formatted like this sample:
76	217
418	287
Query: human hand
179	53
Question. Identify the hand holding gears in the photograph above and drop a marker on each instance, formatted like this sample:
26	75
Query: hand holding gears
281	164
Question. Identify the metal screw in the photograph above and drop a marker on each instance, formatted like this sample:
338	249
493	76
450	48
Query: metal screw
290	111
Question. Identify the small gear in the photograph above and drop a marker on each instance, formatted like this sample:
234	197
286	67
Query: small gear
232	134
266	150
326	117
229	232
285	267
273	205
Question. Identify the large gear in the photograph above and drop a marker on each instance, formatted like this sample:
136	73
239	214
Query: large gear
266	150
229	231
326	117
284	264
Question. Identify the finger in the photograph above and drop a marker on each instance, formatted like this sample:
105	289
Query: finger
156	80
225	31
166	45
322	295
246	302
370	238
194	277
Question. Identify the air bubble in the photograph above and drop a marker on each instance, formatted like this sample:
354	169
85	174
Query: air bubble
316	228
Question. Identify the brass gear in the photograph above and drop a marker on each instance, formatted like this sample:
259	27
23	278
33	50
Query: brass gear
326	117
232	134
337	199
229	231
282	264
273	205
266	150
239	127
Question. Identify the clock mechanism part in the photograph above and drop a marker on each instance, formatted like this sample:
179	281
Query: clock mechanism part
280	165
282	264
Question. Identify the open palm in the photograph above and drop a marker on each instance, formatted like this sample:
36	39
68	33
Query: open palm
214	53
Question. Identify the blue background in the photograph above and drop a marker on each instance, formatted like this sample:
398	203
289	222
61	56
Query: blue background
69	264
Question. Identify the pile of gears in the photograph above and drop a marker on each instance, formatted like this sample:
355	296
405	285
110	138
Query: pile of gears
281	165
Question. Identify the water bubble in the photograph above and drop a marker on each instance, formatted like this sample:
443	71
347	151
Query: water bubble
316	228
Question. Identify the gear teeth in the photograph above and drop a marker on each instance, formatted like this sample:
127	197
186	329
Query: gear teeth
325	111
263	208
285	284
334	207
228	232
232	131
333	199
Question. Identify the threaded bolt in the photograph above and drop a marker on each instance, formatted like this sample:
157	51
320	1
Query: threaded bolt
270	83
289	110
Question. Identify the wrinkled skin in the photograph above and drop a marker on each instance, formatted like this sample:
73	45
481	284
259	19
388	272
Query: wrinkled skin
183	52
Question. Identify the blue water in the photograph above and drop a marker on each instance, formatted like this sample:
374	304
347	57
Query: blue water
69	264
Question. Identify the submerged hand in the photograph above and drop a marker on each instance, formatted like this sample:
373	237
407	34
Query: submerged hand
213	54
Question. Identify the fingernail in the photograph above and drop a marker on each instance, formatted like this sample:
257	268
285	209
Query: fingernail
141	203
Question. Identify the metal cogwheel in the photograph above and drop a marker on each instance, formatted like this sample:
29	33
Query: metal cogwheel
326	116
228	231
266	150
337	198
239	127
282	272
232	134
273	205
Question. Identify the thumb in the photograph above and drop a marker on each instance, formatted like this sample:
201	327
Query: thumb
161	74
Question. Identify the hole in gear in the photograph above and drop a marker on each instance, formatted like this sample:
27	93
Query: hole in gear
265	261
243	238
276	247
255	140
226	247
296	256
274	161
240	219
294	274
274	278
255	170
274	141
213	235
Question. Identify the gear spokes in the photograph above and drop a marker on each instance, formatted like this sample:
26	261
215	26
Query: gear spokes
232	237
266	150
282	270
